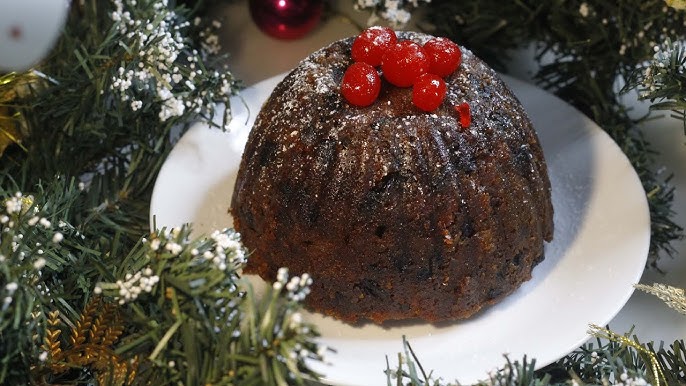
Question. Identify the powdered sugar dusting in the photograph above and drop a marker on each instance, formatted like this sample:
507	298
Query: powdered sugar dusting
306	110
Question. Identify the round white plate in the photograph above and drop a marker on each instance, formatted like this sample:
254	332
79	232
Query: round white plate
602	232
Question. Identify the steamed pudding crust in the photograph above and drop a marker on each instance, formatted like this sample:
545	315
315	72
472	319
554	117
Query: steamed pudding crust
396	213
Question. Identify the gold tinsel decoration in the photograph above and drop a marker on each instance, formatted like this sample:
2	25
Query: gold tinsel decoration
658	375
9	134
9	131
676	4
674	297
13	88
90	344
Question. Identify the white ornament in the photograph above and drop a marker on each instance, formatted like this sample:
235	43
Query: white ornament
28	30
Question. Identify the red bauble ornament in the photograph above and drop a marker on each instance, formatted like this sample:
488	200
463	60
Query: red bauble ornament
286	19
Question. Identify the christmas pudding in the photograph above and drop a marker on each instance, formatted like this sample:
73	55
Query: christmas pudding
402	174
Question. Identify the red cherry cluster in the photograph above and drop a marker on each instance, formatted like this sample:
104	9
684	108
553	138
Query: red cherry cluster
403	64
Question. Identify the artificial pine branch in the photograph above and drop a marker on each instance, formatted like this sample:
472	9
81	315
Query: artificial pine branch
209	327
98	119
662	82
612	359
98	110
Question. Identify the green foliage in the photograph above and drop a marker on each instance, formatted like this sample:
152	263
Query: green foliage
202	324
37	255
81	124
663	81
91	128
618	360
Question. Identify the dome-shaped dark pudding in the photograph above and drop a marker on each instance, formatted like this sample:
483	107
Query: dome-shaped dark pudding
396	213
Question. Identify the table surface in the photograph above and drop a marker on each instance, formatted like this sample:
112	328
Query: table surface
255	56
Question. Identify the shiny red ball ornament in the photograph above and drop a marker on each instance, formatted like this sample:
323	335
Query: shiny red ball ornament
286	19
361	84
428	92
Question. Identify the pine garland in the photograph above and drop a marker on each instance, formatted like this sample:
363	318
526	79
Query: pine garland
88	294
612	359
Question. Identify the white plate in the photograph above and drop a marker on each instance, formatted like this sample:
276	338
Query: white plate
602	232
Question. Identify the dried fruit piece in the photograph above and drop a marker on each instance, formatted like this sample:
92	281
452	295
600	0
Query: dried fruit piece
464	113
444	56
404	62
361	84
370	44
428	92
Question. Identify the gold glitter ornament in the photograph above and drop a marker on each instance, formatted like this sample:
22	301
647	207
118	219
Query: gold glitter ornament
9	133
676	4
12	124
654	365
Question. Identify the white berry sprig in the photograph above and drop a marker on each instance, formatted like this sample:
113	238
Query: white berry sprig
163	70
396	12
171	256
